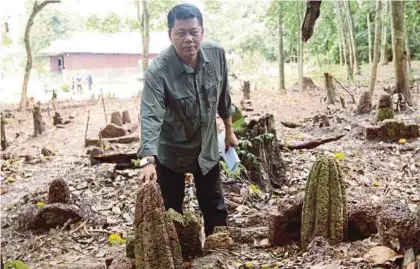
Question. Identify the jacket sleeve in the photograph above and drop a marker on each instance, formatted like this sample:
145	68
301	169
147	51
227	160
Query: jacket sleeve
152	113
224	108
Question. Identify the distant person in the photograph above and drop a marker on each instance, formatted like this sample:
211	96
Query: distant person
72	84
54	100
89	80
79	84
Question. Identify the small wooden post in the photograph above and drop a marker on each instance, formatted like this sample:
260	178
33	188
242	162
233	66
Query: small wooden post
4	143
246	90
329	88
87	126
38	122
103	104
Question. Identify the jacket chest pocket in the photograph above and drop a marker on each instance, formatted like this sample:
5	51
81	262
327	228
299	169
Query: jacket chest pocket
185	106
212	86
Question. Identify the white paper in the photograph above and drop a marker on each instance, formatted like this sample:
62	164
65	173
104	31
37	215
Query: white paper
230	157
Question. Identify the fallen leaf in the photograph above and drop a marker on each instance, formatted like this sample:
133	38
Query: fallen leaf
340	156
402	141
115	239
379	255
11	179
375	184
248	264
40	204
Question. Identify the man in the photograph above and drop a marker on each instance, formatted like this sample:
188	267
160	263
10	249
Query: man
79	83
89	80
184	88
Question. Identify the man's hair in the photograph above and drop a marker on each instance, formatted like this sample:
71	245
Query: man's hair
183	12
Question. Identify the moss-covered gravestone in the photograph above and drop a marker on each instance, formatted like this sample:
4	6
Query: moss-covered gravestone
324	207
59	192
365	105
156	242
385	110
188	228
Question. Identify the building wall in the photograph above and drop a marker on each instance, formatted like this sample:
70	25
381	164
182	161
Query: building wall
86	61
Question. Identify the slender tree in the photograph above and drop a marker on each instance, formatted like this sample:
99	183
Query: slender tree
35	10
301	44
398	45
346	40
350	23
343	51
144	17
374	67
369	37
384	46
281	51
408	54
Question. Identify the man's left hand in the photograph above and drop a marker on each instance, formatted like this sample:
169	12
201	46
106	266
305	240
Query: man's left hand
230	140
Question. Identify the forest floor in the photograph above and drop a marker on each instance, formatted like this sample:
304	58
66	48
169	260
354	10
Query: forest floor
374	171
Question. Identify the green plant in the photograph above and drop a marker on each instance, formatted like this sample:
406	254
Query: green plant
232	174
239	126
15	264
245	154
65	87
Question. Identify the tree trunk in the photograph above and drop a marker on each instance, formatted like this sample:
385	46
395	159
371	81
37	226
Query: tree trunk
4	143
369	37
374	69
246	90
281	51
330	89
346	41
300	64
342	42
400	60
311	15
408	54
384	49
356	67
145	30
36	8
392	34
340	49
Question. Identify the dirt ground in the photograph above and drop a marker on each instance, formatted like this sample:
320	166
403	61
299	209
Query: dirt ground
373	171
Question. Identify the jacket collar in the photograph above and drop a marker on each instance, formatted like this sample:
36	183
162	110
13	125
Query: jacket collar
179	66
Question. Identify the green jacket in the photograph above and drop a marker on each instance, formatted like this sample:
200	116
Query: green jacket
178	109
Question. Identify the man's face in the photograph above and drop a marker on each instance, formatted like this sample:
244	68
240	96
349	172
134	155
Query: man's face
186	36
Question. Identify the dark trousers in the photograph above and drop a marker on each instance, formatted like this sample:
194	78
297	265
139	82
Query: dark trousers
208	189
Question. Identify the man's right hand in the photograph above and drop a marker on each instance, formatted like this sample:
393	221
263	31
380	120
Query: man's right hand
148	173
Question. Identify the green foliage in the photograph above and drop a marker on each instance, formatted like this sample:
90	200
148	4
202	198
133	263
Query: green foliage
234	174
239	126
65	87
5	40
111	23
15	264
50	24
